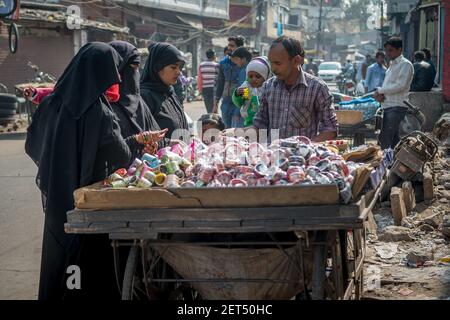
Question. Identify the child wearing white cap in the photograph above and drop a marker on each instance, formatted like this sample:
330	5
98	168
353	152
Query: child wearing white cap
246	96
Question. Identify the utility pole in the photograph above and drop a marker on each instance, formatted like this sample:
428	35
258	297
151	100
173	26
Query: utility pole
259	24
381	23
319	33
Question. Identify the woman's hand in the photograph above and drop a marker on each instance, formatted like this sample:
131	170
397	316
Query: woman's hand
151	148
149	137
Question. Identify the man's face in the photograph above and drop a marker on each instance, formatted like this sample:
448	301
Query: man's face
282	64
232	46
240	62
391	52
380	59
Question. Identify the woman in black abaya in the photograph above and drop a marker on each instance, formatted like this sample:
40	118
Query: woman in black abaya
132	113
75	140
159	75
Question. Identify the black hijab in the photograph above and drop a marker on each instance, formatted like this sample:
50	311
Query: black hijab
159	55
67	130
130	105
161	98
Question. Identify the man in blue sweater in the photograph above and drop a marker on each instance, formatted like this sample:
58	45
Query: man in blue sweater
227	82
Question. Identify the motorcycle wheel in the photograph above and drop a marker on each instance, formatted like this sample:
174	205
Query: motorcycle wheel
13	37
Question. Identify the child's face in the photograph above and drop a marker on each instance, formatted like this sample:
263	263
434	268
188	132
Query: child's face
255	79
240	62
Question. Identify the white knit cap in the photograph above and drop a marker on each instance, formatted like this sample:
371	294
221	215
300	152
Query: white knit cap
261	66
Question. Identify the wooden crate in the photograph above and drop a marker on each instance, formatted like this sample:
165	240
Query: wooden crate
349	117
95	197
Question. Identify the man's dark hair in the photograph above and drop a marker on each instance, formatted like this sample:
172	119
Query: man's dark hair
210	54
242	52
225	49
291	45
379	53
427	53
239	40
395	42
212	119
419	56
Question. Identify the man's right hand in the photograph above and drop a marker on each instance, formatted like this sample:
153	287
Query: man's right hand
216	107
239	91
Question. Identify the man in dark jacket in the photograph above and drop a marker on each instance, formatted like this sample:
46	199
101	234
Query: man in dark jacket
423	73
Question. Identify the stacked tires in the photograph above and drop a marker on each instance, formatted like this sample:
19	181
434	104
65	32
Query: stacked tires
8	107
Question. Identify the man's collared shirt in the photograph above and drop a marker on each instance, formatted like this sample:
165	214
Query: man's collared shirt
375	76
396	84
303	110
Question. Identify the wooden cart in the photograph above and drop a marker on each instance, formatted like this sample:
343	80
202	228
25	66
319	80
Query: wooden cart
334	235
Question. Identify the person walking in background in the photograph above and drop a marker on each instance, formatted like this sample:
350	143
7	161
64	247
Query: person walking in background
393	92
375	73
208	73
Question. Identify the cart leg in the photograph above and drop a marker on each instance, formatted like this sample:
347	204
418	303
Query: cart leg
338	272
319	265
358	139
128	278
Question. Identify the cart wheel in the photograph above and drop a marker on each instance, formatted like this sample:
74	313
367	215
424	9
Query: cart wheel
13	37
128	278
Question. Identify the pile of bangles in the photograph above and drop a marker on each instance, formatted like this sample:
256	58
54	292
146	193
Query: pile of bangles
234	162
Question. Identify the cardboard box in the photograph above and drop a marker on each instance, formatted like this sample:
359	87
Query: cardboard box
349	117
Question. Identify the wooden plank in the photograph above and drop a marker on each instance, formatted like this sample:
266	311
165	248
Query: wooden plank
268	223
95	198
261	196
212	224
214	214
134	233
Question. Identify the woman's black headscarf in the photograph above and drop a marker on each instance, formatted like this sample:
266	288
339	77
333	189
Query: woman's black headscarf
68	129
161	98
160	55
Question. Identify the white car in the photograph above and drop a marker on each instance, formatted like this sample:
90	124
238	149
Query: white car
329	70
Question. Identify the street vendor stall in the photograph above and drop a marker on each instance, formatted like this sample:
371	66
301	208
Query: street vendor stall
243	231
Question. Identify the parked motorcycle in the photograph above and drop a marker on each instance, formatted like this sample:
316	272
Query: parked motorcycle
40	76
346	85
192	92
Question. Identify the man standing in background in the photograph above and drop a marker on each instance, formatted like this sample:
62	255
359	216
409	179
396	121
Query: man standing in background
375	73
424	74
208	73
393	92
227	82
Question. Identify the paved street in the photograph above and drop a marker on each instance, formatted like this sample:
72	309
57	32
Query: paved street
21	222
21	217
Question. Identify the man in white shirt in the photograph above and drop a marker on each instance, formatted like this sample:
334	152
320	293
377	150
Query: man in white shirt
393	92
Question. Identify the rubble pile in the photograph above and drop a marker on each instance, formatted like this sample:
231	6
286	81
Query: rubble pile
412	260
